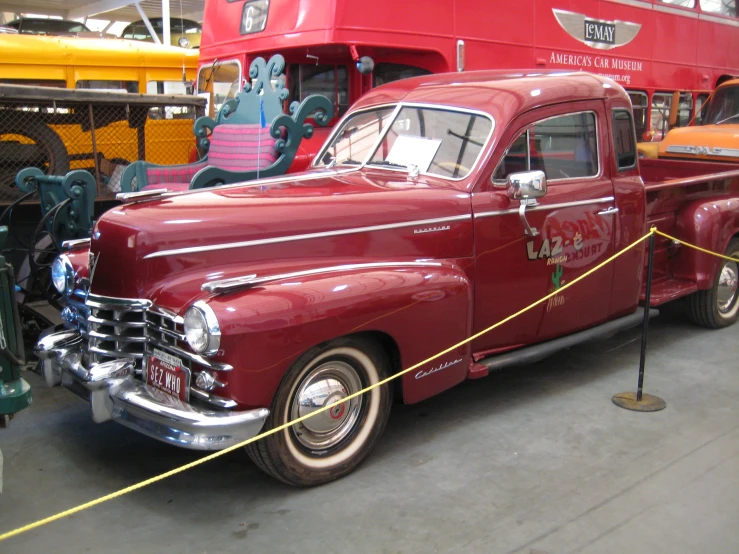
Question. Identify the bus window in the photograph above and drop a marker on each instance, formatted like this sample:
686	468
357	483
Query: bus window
117	86
723	7
683	3
640	104
330	80
166	87
661	103
35	82
699	111
222	79
389	72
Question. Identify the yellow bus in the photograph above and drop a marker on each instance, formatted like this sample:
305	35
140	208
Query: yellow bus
98	64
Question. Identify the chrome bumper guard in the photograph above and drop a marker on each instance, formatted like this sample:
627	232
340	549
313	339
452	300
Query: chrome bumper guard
114	394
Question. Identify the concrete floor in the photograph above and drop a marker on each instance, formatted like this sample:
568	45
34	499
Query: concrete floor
532	460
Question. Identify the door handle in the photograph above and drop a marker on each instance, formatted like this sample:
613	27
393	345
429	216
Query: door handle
608	211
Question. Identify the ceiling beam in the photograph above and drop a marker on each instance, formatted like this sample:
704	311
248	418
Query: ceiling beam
21	8
95	8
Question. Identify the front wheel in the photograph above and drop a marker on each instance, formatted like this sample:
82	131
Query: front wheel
719	306
332	443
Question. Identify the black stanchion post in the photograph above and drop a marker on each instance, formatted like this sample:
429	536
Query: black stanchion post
641	402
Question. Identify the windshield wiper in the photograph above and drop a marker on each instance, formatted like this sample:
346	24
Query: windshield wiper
727	119
391	164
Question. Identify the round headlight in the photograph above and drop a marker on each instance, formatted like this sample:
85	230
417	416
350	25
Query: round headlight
183	42
202	330
62	274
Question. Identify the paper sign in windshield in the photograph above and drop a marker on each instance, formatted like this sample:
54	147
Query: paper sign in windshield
413	151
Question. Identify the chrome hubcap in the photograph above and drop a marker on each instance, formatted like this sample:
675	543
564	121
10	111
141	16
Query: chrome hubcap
328	383
727	286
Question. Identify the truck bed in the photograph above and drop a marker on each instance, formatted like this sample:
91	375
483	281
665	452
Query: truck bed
671	186
659	172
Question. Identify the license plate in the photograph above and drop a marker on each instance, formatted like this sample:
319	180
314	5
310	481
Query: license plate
166	373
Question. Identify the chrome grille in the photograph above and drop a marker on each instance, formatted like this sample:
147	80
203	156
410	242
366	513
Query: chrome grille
121	327
117	331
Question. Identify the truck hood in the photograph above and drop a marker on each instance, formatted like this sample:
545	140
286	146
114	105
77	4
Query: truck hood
165	249
705	142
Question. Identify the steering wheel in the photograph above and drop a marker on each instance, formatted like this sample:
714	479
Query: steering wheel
452	167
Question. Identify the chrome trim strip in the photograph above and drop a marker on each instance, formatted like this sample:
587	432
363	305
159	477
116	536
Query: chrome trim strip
225	285
114	323
161	312
74	244
716	19
138	196
294	178
114	338
546	207
703	150
676	11
210	364
212	399
113	303
114	354
636	3
164	331
289	238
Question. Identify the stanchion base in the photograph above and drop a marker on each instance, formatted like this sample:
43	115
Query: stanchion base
648	403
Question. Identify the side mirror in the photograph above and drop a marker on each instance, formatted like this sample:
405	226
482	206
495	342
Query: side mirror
526	185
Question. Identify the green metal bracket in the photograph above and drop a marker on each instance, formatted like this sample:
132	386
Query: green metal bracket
15	392
73	221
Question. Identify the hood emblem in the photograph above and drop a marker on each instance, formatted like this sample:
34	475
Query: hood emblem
597	33
92	262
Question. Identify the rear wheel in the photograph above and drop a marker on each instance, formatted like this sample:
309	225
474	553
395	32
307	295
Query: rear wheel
332	443
719	306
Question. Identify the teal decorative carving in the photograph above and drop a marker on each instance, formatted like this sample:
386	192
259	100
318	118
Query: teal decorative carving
73	221
265	91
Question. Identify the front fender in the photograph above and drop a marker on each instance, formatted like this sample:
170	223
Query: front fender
710	224
423	309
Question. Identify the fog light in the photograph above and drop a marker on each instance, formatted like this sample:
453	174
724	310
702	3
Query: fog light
205	381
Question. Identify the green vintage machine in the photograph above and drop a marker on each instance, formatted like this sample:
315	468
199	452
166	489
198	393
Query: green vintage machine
15	393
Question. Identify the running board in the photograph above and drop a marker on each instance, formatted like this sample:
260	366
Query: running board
536	352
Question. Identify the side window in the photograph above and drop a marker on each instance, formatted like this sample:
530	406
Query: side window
640	105
563	147
623	139
699	111
566	146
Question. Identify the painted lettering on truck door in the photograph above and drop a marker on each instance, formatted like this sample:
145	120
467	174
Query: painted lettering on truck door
574	222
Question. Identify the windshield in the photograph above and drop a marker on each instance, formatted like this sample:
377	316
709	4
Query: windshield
437	141
48	26
723	107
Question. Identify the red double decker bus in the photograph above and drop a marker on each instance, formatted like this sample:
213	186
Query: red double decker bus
343	48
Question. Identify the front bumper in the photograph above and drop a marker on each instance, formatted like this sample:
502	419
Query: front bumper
115	394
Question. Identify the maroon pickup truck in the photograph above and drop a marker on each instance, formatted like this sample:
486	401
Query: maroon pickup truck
438	206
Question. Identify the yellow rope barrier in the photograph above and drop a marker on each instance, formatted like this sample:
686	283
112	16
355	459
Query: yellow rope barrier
279	428
694	246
